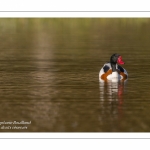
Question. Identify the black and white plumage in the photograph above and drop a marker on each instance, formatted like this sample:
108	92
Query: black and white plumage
112	71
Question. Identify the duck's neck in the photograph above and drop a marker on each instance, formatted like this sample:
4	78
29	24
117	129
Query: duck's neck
113	66
114	75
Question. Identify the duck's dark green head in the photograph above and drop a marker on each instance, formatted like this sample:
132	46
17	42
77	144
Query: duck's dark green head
116	58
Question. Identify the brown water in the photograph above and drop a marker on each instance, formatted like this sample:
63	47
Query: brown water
49	75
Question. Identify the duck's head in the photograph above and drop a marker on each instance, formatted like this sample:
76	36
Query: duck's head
116	58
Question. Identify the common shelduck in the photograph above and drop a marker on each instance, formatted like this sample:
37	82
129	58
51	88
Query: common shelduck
112	71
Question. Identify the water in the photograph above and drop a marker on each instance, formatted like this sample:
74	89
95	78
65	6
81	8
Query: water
49	75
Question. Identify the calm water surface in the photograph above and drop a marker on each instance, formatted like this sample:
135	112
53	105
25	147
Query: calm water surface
49	75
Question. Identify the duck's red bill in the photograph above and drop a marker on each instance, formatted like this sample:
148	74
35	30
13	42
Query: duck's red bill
120	61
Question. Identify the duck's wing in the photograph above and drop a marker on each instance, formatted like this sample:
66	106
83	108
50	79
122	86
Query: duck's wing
104	72
122	70
106	67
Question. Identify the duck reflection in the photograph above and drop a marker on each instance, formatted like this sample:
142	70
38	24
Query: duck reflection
112	91
111	99
111	104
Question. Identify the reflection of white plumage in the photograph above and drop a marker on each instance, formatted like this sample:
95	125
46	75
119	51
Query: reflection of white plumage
111	91
112	71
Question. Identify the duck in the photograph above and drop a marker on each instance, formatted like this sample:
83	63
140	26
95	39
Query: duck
112	71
